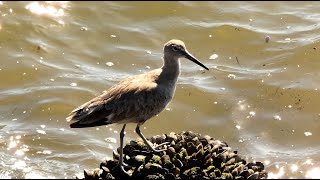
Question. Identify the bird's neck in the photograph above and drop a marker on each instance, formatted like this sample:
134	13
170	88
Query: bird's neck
170	69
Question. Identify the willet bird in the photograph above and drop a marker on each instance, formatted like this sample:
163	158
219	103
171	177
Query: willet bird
135	99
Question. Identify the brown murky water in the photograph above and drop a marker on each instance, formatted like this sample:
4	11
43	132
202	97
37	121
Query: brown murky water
262	98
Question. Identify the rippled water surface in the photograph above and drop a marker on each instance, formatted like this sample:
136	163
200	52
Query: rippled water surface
262	97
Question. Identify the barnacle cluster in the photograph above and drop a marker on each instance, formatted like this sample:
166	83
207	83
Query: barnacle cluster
188	156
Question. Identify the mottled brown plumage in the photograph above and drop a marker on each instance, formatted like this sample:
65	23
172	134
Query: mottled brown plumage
137	98
133	100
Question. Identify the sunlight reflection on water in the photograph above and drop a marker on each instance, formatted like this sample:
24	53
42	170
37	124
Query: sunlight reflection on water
48	8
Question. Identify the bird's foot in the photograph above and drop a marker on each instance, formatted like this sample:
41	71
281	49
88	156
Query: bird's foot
126	166
156	149
120	168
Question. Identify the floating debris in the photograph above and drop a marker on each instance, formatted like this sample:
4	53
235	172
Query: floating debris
73	84
277	117
267	39
111	140
307	133
44	152
41	131
109	63
188	156
252	113
84	29
231	76
214	56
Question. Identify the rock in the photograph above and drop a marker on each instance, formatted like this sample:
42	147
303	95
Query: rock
156	159
171	137
191	148
95	174
188	156
254	175
171	151
169	176
177	163
156	176
166	161
226	176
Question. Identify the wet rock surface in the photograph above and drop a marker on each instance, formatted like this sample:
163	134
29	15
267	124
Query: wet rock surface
188	155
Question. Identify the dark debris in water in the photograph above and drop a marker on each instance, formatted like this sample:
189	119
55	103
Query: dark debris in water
188	156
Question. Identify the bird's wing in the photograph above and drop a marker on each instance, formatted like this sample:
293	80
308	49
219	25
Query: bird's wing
119	102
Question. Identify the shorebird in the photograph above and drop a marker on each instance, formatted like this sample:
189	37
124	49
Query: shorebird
135	99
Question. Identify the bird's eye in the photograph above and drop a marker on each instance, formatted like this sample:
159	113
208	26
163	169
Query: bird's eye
175	48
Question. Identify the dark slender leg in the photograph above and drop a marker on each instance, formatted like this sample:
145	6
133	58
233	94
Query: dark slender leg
120	162
147	143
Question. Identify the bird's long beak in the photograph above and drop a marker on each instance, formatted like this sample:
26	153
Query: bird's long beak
193	59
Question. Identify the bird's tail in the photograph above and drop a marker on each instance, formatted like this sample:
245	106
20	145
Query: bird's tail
97	123
95	116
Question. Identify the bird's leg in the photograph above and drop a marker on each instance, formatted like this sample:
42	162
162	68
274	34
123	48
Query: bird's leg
121	164
147	143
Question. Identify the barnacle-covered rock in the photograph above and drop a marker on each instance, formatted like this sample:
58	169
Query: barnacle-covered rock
95	174
188	155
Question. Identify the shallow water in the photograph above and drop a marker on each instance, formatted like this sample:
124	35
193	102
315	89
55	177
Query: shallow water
262	98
